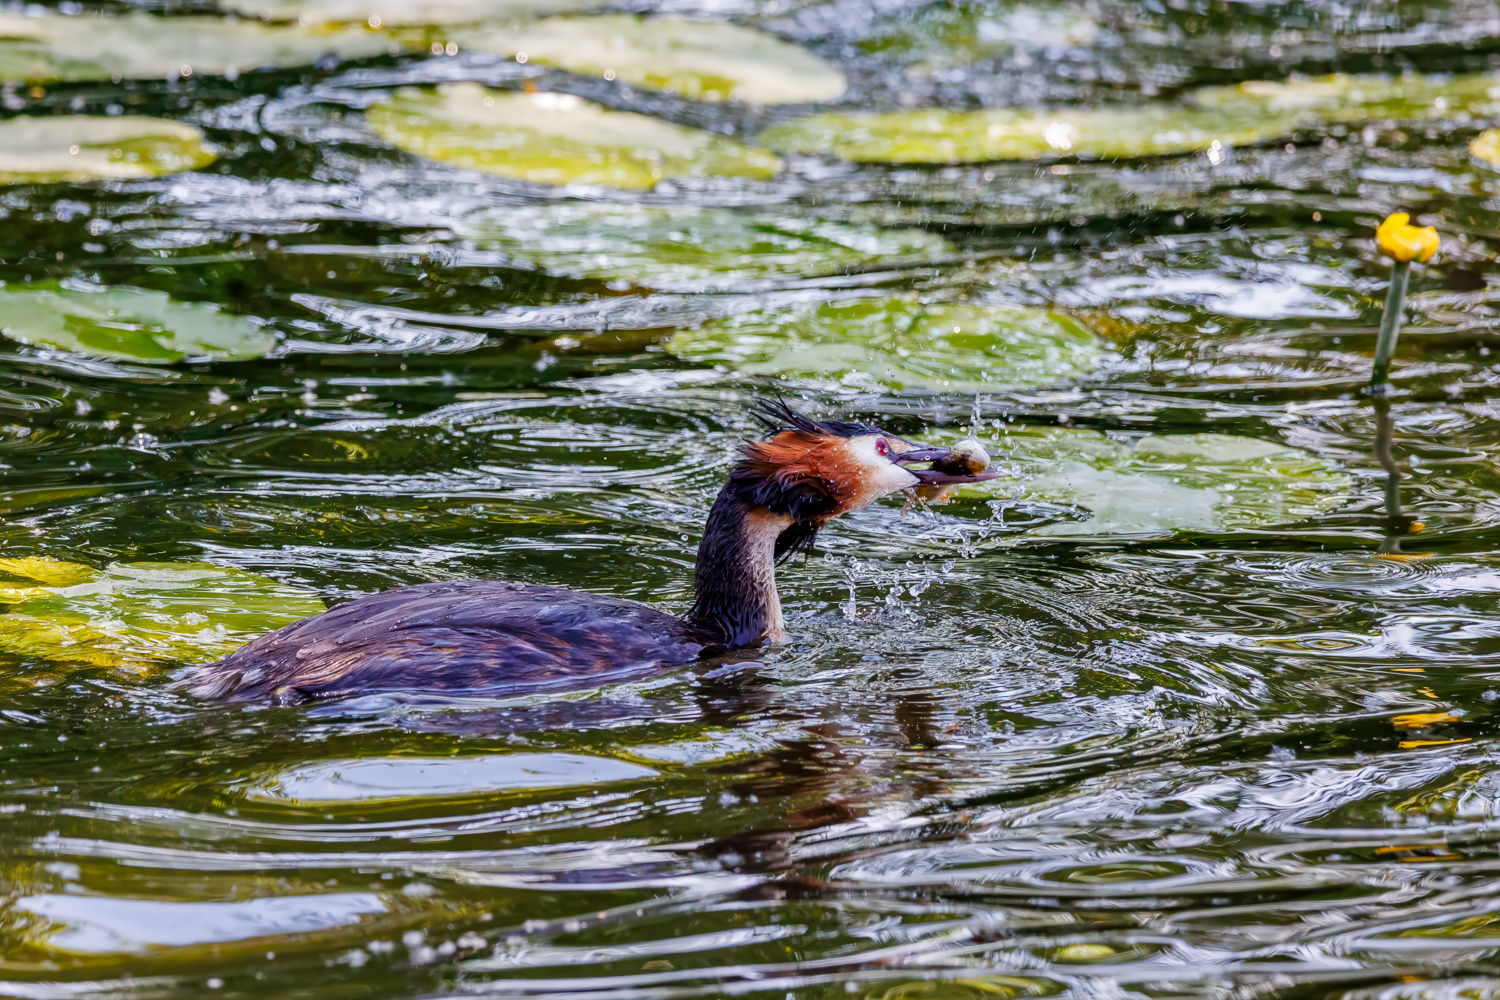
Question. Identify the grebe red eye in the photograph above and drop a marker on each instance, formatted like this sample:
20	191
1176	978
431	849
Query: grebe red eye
882	447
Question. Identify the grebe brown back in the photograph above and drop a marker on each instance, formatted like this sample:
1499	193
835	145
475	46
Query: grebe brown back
501	637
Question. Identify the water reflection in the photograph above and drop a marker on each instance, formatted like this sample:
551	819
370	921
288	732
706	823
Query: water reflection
1398	524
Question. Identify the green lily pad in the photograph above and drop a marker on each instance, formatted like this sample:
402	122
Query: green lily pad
552	138
1161	484
943	36
703	60
1240	115
900	342
49	47
686	248
934	135
80	148
134	614
126	323
405	12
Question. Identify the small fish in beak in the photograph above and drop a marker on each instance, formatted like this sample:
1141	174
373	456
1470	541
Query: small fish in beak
966	462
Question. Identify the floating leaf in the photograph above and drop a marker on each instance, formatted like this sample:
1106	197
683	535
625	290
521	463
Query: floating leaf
48	47
943	36
900	342
47	572
135	613
666	247
1232	116
703	60
557	138
93	147
405	12
1348	98
934	135
1161	484
126	323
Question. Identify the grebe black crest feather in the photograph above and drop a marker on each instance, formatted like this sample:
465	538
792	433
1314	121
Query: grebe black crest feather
777	416
502	637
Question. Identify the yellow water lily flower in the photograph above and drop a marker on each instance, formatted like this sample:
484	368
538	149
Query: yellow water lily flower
1404	242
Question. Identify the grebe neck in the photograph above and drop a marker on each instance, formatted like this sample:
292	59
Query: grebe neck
735	577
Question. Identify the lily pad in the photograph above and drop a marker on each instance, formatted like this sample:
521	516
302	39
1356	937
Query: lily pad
942	36
557	138
1160	484
1240	115
47	47
127	323
405	12
81	148
134	614
934	135
900	342
703	60
690	249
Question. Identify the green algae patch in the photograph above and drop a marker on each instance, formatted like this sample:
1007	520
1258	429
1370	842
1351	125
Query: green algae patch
1241	115
129	324
691	248
1160	484
702	60
900	342
550	138
137	614
54	47
80	148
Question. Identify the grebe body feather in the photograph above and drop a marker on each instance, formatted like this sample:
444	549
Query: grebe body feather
500	637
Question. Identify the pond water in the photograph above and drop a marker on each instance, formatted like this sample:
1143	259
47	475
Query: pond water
1195	700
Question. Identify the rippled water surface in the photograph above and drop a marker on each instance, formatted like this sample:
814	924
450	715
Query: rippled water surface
1196	705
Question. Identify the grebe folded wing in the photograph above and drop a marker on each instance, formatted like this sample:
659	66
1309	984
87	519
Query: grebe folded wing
492	636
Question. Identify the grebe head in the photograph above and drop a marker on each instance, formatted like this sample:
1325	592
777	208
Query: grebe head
811	471
782	490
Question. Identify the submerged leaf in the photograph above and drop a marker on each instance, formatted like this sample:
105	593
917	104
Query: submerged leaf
679	247
48	47
1239	115
552	138
405	12
900	342
135	613
94	147
1161	484
126	323
703	60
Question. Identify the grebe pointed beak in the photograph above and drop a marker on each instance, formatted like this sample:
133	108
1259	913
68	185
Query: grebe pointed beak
933	477
922	455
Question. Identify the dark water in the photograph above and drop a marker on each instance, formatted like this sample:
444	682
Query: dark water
991	763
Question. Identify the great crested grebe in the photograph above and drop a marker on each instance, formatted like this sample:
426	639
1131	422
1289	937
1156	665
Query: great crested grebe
499	637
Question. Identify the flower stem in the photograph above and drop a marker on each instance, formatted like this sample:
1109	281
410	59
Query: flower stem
1390	327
